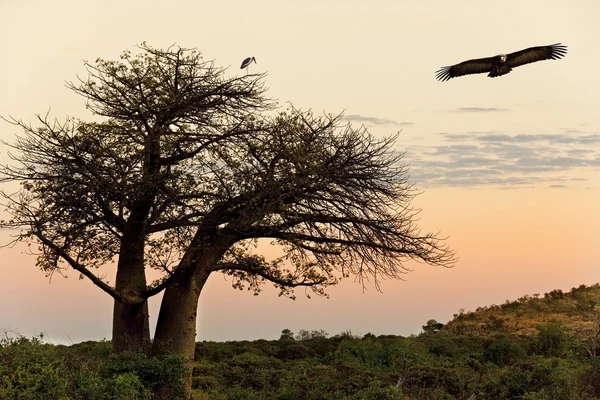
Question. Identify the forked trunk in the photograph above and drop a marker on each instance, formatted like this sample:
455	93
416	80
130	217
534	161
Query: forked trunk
176	325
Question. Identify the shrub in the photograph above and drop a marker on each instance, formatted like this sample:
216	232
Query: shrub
504	352
551	341
152	372
376	392
35	381
295	352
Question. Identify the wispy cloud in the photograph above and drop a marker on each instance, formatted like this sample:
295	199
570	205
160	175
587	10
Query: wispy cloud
494	158
552	138
373	120
480	109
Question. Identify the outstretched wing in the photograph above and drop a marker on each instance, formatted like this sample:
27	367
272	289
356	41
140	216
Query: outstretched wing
552	52
476	66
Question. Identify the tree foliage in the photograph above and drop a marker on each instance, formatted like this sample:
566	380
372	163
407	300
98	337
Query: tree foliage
432	326
184	158
86	187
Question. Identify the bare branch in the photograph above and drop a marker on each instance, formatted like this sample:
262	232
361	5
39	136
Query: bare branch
185	160
88	274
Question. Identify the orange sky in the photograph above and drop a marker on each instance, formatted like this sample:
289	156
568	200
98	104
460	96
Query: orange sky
510	243
509	166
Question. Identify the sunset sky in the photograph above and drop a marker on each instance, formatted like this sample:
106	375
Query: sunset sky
509	167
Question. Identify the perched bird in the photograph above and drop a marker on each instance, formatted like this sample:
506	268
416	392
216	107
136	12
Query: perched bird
502	64
247	62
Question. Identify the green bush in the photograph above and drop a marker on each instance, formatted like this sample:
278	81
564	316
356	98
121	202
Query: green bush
551	341
504	352
152	372
126	386
35	381
376	392
295	351
31	369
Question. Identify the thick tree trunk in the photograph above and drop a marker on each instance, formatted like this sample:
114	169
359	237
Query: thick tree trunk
176	325
131	330
131	327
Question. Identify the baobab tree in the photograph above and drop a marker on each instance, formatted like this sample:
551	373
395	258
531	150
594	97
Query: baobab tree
186	170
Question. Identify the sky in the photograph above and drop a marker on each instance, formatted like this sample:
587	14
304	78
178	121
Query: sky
509	168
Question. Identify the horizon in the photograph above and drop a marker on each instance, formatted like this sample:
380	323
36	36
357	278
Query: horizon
508	168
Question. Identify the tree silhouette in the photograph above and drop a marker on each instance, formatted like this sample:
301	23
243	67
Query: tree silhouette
186	171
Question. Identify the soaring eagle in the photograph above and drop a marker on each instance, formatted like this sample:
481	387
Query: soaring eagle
502	64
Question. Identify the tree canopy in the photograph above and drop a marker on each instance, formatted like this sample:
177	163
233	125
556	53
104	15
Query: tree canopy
185	156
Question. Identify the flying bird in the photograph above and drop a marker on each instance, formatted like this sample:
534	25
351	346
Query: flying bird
503	63
247	62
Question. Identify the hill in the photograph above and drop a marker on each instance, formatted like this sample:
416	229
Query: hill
576	311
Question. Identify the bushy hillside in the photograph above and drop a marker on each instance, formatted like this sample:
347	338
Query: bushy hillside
577	311
535	348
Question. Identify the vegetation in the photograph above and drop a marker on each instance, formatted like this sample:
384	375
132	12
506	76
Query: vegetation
553	361
32	369
575	310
